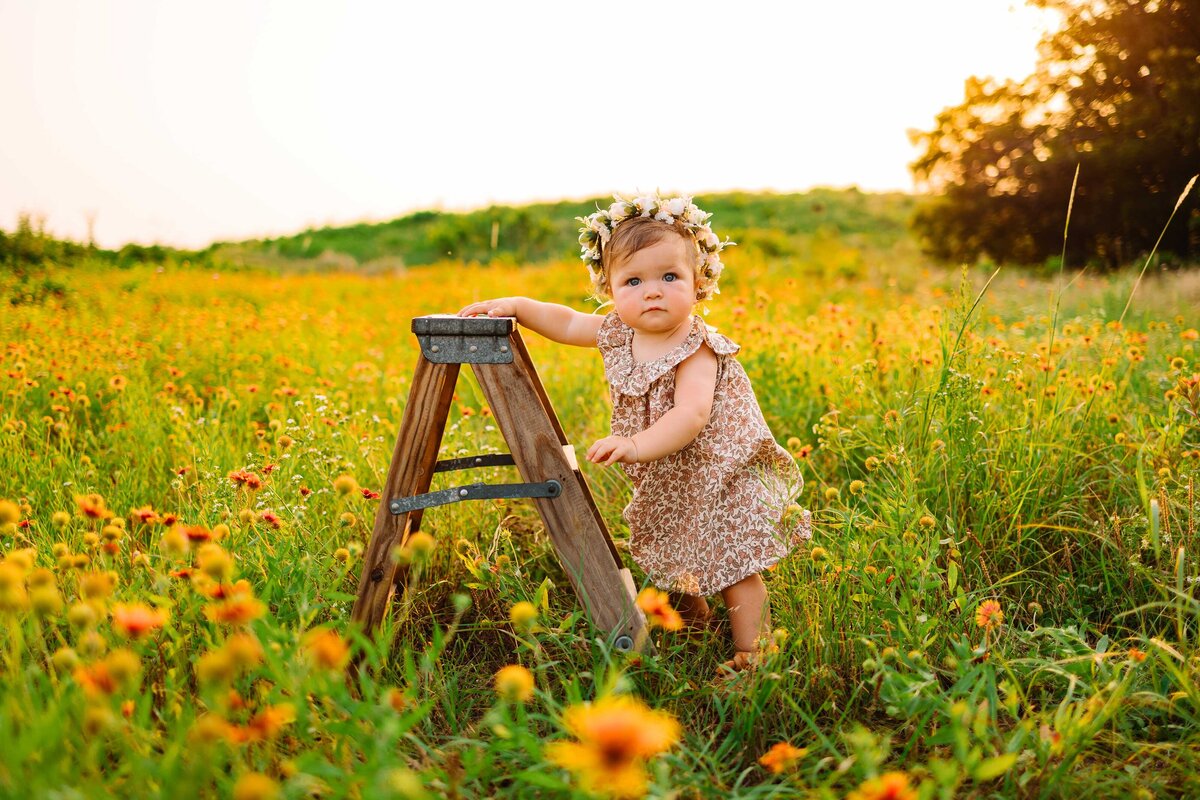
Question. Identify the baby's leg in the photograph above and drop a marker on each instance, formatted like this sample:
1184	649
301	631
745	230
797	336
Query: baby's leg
693	608
749	612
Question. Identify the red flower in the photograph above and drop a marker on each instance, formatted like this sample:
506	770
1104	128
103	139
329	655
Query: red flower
367	493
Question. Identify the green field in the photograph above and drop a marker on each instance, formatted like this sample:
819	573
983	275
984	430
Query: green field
184	453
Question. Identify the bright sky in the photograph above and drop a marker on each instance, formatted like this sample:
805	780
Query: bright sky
184	122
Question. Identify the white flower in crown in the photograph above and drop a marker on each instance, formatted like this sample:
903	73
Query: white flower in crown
598	228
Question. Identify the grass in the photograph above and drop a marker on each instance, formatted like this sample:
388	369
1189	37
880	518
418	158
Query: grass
965	437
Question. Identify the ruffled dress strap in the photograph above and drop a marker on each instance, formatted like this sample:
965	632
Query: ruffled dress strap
630	377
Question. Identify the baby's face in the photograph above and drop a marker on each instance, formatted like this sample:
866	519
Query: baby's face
655	289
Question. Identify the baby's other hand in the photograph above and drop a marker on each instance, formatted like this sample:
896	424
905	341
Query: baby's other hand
500	307
613	449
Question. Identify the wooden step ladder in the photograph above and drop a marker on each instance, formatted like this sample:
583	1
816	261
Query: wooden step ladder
540	451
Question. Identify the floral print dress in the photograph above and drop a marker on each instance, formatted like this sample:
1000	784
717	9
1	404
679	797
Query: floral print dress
709	515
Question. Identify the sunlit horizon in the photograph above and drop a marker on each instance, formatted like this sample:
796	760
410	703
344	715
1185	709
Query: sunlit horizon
184	125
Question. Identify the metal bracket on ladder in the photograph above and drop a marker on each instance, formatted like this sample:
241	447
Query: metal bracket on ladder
475	491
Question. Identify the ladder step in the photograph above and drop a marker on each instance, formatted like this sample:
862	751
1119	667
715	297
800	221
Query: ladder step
475	491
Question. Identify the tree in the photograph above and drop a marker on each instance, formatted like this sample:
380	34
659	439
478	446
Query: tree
1116	91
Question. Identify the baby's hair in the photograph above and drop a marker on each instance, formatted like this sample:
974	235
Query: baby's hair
637	234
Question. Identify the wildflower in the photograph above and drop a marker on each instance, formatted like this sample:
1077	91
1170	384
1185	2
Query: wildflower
97	720
615	735
889	786
255	786
926	521
97	585
60	519
145	515
216	667
348	520
370	495
92	506
345	484
326	649
10	512
272	519
1136	655
235	611
215	562
872	463
267	724
657	606
416	548
891	417
342	555
64	659
818	554
989	615
196	534
832	494
136	619
523	615
45	600
514	683
857	487
782	756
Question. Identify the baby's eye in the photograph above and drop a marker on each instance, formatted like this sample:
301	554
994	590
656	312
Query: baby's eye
633	281
670	276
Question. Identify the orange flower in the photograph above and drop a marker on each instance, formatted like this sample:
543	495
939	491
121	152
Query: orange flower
196	533
989	615
657	606
235	611
889	786
92	506
144	515
137	619
267	723
326	649
1137	655
615	736
782	756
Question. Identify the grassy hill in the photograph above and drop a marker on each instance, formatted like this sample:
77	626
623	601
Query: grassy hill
776	225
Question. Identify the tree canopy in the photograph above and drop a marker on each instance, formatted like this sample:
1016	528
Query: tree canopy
1117	92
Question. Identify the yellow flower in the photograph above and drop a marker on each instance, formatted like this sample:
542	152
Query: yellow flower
345	484
857	487
523	615
889	786
10	512
255	786
781	757
514	682
818	554
658	609
615	735
926	521
989	615
326	649
832	494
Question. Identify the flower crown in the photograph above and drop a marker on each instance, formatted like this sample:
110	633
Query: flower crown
598	229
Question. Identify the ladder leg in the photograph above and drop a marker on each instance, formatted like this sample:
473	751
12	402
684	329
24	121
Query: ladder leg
410	473
571	520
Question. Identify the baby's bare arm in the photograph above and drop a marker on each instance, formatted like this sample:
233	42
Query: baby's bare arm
556	322
695	382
